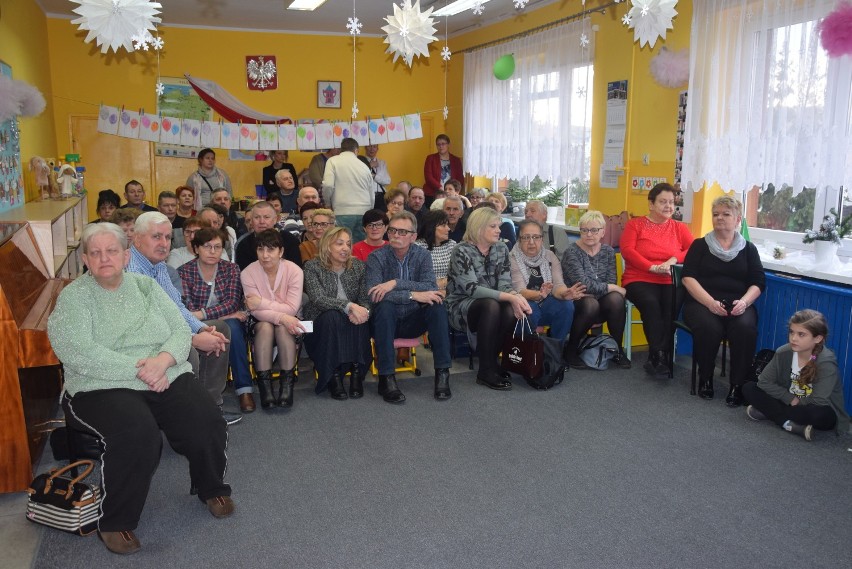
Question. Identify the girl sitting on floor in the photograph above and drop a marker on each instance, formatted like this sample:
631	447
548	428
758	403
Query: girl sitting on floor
800	389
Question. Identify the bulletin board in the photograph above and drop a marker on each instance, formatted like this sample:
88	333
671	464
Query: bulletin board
11	182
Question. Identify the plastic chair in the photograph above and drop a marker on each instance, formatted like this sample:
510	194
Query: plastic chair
411	365
628	323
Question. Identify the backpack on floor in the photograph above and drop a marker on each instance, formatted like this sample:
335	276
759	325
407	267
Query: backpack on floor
597	351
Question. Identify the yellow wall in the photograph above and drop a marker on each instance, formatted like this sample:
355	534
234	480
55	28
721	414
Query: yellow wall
23	45
85	78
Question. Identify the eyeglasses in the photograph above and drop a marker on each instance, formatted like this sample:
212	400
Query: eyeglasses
376	225
190	231
400	232
530	237
321	224
592	230
212	248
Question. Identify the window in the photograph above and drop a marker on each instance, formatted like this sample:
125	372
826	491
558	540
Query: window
534	128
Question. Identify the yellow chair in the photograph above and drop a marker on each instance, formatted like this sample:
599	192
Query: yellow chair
410	365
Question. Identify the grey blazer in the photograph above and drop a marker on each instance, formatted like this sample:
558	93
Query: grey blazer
321	288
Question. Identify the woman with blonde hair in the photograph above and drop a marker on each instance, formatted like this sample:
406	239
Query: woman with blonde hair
338	305
480	298
321	220
507	226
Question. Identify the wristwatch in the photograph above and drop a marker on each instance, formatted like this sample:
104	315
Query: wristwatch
410	295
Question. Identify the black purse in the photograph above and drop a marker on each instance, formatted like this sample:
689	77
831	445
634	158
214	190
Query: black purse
56	500
523	353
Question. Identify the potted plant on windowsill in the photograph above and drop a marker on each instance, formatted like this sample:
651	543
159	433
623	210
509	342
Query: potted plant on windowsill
827	237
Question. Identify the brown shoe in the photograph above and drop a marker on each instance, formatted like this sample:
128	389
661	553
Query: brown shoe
246	402
121	542
220	506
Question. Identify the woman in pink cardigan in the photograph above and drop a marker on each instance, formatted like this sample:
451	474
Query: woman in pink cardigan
650	245
440	167
273	291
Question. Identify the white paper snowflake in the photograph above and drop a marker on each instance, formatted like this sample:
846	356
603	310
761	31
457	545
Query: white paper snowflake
446	54
625	20
409	31
520	4
584	40
158	43
650	19
113	23
160	88
355	110
142	40
446	112
354	25
581	91
478	8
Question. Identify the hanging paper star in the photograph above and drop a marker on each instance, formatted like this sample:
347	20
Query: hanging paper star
625	20
584	40
520	4
409	31
355	110
354	25
113	23
446	53
446	112
160	88
478	8
650	19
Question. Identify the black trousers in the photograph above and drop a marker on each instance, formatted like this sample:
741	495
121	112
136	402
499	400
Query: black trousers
708	330
589	311
822	417
654	302
130	421
493	321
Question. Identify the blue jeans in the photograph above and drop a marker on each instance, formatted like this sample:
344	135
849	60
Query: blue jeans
386	327
239	358
553	312
353	222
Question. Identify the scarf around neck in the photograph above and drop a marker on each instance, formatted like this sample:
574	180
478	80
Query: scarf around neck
539	261
722	254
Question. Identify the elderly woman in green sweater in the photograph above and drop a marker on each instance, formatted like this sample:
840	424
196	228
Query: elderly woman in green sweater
127	379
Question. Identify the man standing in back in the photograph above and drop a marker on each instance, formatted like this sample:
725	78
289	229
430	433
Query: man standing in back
348	188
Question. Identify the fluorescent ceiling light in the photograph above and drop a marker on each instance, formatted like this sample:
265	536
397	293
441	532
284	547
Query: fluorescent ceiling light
305	4
454	8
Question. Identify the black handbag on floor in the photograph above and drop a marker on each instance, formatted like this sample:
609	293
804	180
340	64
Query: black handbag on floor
56	500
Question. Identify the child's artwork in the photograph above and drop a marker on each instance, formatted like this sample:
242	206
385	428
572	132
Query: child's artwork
268	136
341	130
413	128
287	137
396	130
306	137
128	124
248	137
230	136
378	131
211	132
359	132
170	133
108	120
324	135
149	127
179	100
190	132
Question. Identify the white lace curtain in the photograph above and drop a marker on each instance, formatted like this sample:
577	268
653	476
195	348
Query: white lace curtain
536	122
766	104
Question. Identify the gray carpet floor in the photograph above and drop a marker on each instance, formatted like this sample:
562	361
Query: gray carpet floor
608	470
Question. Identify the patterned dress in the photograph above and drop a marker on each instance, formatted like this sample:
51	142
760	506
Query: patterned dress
473	275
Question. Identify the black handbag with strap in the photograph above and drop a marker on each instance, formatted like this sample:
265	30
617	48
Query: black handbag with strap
523	353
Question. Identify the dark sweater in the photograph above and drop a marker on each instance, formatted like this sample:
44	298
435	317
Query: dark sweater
724	280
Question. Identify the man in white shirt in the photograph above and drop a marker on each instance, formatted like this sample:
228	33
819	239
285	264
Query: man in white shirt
347	187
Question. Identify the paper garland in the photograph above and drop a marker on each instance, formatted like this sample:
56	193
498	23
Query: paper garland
306	135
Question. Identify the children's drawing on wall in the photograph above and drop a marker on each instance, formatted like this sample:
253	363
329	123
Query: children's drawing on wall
179	101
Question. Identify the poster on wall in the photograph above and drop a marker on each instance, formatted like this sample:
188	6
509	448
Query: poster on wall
683	205
11	182
616	127
180	101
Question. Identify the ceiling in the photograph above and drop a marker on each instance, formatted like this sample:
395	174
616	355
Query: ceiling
330	18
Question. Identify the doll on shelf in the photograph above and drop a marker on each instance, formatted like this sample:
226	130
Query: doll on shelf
39	167
67	179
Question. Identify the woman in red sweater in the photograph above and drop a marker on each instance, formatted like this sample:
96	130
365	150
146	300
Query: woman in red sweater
650	245
440	167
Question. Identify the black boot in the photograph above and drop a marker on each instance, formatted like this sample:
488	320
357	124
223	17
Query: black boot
389	390
335	386
664	362
285	398
735	396
264	387
705	388
442	384
356	381
651	363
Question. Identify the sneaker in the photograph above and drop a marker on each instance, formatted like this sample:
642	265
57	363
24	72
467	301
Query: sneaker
231	418
620	359
805	431
754	414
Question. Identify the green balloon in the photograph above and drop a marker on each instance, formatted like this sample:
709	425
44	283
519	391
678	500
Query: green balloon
504	67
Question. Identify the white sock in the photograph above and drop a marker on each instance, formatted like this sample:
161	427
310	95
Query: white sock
787	426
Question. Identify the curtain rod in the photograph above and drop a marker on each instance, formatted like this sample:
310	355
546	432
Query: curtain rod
553	24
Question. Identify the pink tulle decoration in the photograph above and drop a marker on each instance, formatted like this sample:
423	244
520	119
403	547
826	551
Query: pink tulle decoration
671	68
836	31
